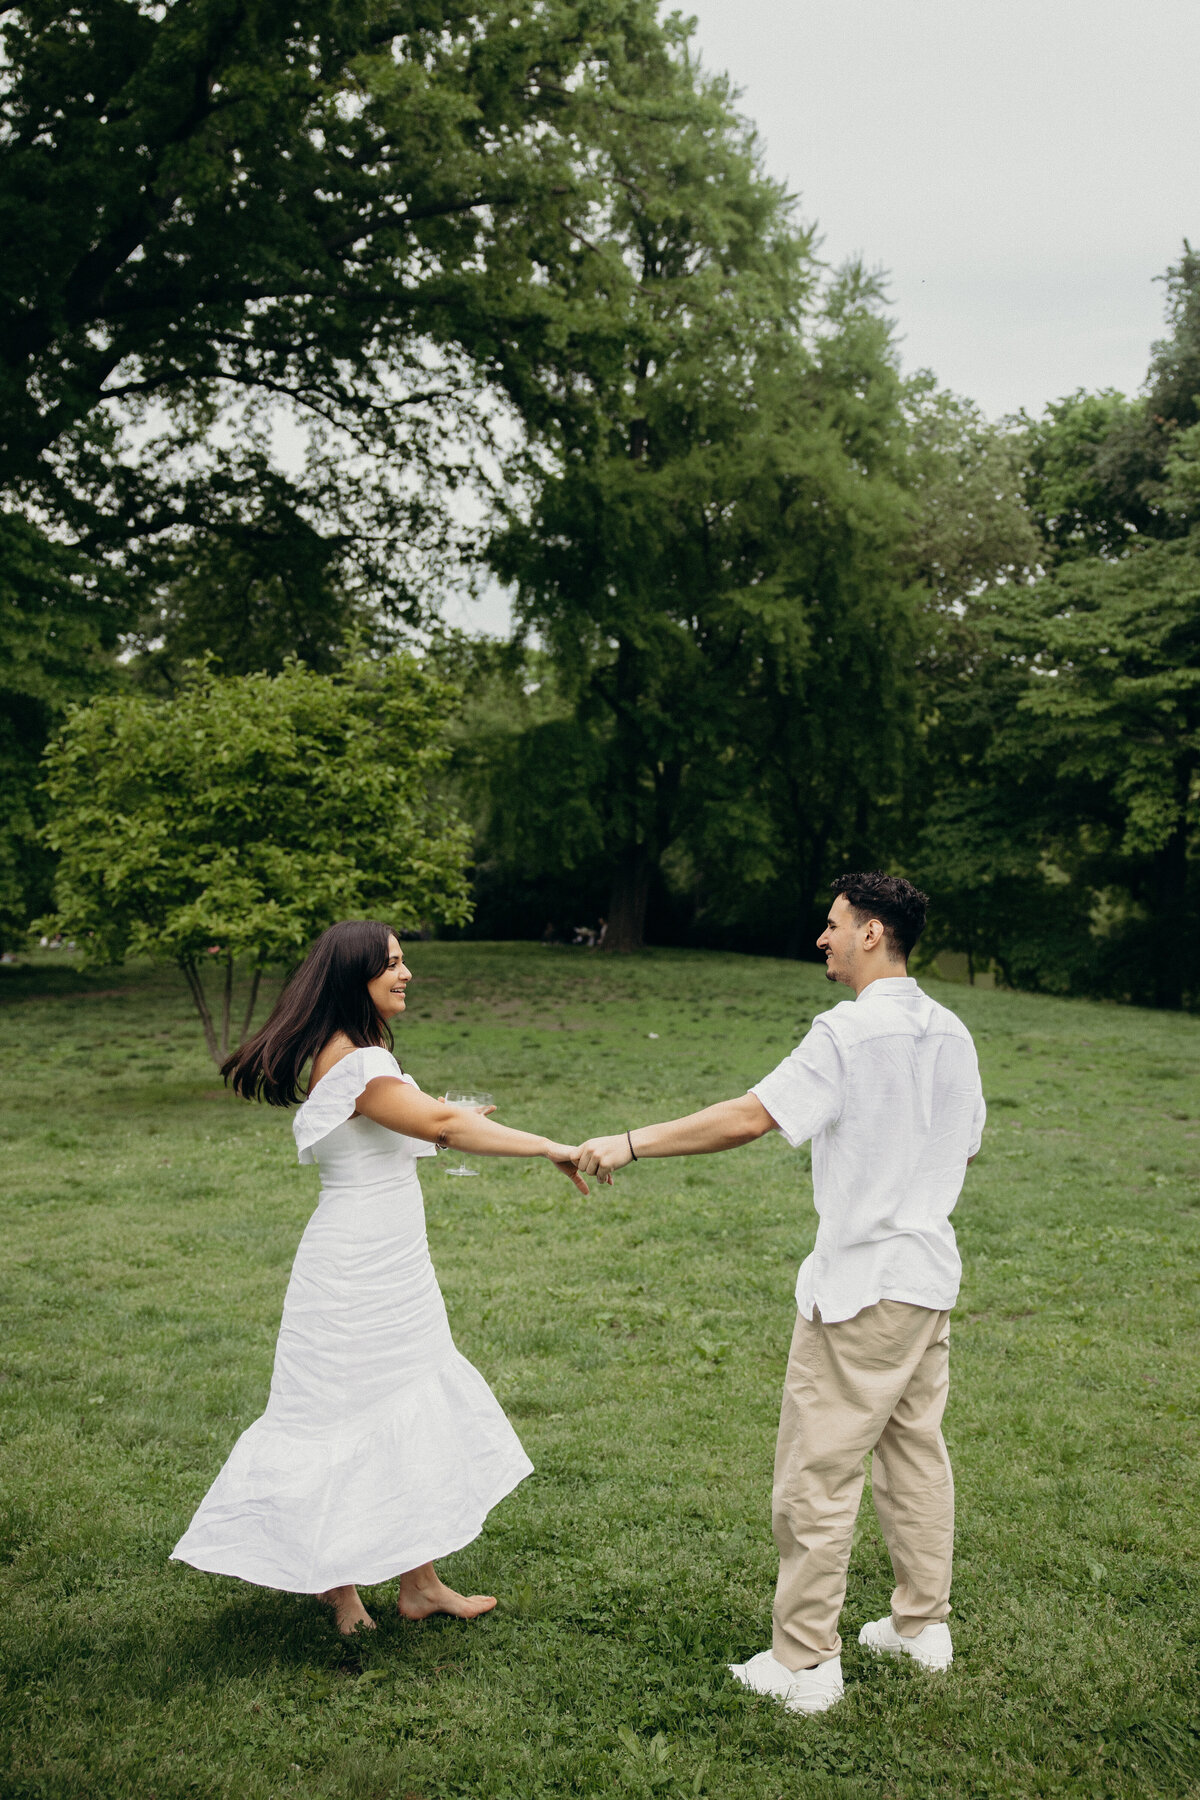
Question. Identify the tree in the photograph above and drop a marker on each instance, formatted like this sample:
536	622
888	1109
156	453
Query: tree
1100	465
527	774
971	524
54	649
1061	833
689	540
233	821
1113	701
353	211
352	226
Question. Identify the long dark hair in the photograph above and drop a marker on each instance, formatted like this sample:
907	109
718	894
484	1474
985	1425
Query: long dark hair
327	993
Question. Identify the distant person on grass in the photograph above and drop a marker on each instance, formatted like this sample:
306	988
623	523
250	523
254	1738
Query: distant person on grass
887	1087
381	1447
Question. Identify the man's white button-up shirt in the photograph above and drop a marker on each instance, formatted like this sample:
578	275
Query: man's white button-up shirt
887	1087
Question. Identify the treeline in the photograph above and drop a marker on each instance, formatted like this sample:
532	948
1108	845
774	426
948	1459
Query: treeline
970	653
304	317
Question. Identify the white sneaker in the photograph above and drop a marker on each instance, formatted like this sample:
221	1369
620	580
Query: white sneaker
931	1647
801	1690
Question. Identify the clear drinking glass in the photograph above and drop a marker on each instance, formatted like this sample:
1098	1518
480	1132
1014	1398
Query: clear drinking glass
457	1097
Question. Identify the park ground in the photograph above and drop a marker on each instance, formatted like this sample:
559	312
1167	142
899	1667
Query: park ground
637	1340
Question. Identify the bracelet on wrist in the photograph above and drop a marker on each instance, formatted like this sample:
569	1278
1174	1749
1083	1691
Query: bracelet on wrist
632	1151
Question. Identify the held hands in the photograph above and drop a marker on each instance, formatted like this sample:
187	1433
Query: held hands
601	1155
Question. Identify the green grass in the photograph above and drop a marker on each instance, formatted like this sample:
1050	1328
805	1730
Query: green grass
638	1341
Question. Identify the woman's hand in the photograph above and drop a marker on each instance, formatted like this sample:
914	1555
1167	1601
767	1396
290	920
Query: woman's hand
562	1156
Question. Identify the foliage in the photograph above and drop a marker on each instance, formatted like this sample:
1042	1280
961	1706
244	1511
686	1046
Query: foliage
1103	468
526	774
709	557
275	285
807	771
55	647
148	1229
610	557
1112	707
740	596
1078	484
971	523
280	288
1061	831
238	818
354	213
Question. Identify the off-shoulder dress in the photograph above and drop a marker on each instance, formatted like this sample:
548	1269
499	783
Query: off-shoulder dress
381	1447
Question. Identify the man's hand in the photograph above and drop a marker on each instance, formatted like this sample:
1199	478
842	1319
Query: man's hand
601	1155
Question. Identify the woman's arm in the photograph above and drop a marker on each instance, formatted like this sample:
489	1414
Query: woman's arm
405	1109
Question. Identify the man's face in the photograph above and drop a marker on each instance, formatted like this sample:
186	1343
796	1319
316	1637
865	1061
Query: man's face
841	941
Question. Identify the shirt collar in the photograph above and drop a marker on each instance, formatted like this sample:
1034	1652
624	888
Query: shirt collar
893	985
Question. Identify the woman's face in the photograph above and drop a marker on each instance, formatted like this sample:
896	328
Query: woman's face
387	989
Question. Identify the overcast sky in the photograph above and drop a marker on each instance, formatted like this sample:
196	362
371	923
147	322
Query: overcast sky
1023	168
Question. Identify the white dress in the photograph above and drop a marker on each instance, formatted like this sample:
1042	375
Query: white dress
381	1447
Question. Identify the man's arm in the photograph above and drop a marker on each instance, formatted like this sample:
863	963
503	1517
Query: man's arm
721	1127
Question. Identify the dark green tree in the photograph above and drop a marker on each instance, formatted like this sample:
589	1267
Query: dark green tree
360	225
706	554
55	647
528	775
1065	726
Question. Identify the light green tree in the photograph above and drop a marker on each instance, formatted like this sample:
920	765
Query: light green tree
232	822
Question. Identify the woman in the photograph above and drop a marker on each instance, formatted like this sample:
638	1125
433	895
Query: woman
381	1447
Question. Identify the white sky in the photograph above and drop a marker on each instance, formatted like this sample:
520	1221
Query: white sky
1023	168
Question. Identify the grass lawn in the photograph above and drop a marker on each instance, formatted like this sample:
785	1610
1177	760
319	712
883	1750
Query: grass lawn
637	1340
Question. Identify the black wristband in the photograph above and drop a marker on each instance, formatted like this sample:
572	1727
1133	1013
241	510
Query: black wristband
632	1151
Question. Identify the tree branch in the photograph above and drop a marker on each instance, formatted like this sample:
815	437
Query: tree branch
252	1001
413	216
226	1004
192	976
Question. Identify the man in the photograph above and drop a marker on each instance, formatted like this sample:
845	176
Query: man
887	1087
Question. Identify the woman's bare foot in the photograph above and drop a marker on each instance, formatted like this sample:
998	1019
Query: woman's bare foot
421	1593
348	1610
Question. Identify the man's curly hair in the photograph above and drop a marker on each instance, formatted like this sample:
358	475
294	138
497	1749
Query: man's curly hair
897	904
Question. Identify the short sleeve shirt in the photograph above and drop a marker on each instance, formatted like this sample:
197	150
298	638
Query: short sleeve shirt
887	1087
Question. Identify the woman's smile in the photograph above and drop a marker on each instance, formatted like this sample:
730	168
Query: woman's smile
388	988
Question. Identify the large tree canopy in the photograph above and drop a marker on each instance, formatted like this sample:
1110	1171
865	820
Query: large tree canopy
354	209
272	278
737	579
711	526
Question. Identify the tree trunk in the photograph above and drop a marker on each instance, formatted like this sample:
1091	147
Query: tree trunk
226	1005
627	906
191	975
252	1001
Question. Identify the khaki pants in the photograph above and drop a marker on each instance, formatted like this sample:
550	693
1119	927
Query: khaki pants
877	1382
